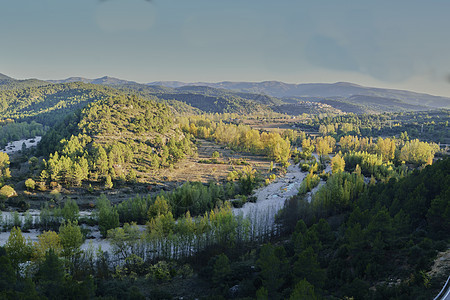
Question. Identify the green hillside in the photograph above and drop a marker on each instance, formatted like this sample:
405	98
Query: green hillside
206	99
114	138
51	103
8	83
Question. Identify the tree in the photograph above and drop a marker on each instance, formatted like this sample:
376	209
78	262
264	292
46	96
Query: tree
17	248
159	207
108	182
101	159
4	166
337	164
272	263
7	192
46	241
30	184
306	266
70	210
221	269
108	217
307	147
324	145
124	240
386	148
417	152
162	225
303	290
51	275
71	238
77	174
7	276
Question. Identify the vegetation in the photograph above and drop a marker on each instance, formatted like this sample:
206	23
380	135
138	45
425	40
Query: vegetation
114	144
11	131
369	218
241	137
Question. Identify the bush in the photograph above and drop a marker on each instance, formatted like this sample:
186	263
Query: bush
7	192
30	184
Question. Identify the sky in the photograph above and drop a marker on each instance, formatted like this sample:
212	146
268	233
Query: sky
400	44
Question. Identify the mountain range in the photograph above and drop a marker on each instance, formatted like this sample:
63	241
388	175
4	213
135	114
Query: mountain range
247	97
339	90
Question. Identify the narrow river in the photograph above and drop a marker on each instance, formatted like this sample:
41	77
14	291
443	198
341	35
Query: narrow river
16	146
270	199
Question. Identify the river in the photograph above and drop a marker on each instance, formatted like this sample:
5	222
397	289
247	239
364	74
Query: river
270	199
16	146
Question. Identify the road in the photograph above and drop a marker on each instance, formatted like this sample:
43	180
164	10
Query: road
445	292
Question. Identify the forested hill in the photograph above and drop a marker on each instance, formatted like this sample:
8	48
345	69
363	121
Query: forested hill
51	103
366	242
207	99
115	138
8	83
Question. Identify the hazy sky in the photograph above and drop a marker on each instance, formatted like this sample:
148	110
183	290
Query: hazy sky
399	44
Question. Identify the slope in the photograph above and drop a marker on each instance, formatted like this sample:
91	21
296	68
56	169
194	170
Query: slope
206	99
118	138
51	103
325	90
8	83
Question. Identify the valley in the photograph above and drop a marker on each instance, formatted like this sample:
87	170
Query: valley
180	190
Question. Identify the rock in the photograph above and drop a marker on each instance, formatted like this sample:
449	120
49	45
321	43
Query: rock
234	290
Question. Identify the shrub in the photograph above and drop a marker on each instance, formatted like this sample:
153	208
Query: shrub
30	184
7	192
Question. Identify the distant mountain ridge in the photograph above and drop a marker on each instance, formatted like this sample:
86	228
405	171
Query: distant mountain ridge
322	90
9	83
3	77
105	80
338	90
249	97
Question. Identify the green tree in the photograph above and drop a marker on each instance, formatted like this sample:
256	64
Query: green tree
273	265
71	238
17	248
215	154
70	210
108	182
337	164
6	192
124	240
108	217
221	269
307	266
30	184
303	290
51	275
159	207
46	241
7	276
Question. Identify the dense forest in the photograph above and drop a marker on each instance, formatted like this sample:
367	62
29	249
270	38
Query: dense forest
113	139
428	126
365	241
